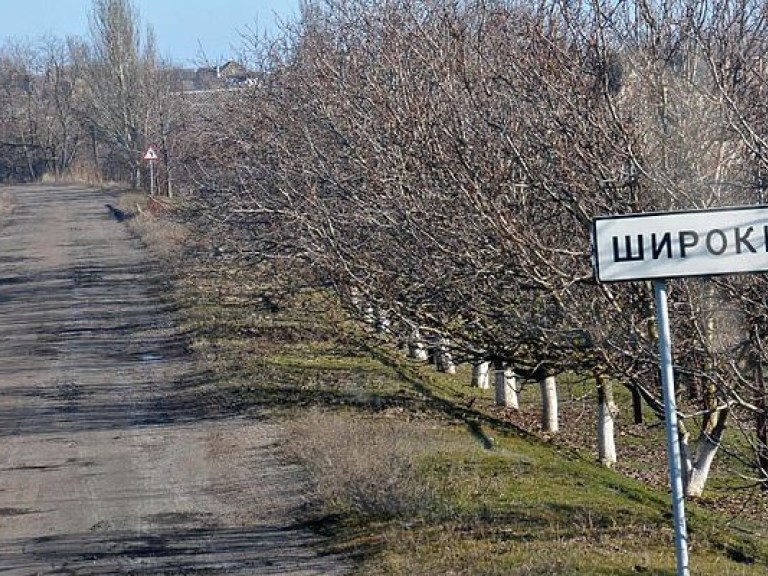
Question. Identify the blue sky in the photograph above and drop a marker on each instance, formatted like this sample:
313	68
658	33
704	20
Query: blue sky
182	27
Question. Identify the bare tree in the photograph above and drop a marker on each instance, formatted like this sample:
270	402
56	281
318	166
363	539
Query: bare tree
22	124
119	69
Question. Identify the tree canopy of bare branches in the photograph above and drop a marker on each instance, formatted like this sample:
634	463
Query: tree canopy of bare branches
442	162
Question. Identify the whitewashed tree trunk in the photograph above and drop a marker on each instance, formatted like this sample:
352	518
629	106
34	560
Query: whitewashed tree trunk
382	321
506	388
686	460
480	377
605	436
417	348
606	414
369	314
705	455
443	358
713	425
362	306
549	412
706	448
354	298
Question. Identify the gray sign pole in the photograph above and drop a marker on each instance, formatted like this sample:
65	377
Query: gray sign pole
151	177
670	416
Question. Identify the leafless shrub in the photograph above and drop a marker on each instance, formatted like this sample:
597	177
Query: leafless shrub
166	238
366	464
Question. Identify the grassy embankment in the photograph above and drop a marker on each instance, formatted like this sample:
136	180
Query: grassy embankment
417	473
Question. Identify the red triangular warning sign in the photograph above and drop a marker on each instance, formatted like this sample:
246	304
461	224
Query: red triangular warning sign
150	154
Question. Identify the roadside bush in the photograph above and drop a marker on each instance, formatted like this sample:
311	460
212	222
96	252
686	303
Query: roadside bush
167	236
364	464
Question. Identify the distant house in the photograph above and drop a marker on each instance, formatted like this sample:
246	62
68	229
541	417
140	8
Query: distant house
231	73
183	79
206	78
18	80
232	69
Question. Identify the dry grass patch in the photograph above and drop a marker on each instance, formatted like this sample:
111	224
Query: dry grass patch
166	237
365	464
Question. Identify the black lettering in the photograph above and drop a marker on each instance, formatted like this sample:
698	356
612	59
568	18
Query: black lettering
628	255
657	247
687	239
722	242
742	239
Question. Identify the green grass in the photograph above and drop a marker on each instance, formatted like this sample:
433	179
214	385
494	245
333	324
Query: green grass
523	508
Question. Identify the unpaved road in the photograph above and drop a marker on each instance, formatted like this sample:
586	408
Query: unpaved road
110	462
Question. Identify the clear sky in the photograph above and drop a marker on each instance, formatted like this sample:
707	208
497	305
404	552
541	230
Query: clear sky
186	30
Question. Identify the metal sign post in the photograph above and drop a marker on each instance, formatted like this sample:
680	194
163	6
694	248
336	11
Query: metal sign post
658	246
670	421
151	177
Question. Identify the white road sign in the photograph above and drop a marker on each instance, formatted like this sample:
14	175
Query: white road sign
151	153
676	244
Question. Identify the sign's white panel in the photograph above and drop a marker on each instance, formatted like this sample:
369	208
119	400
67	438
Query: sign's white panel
676	244
151	153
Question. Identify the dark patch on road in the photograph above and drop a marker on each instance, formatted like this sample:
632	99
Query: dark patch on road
250	550
6	512
32	467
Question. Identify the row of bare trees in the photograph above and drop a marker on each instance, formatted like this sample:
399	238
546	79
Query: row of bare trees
86	107
438	165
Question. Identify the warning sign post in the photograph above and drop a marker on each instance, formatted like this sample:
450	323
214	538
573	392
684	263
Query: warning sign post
150	156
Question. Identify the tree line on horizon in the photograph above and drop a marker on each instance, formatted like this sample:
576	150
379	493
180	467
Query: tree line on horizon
88	108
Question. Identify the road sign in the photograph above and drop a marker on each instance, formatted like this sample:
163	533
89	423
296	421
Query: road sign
150	156
151	153
673	245
678	244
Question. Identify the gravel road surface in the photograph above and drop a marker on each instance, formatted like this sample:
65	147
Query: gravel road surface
110	462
